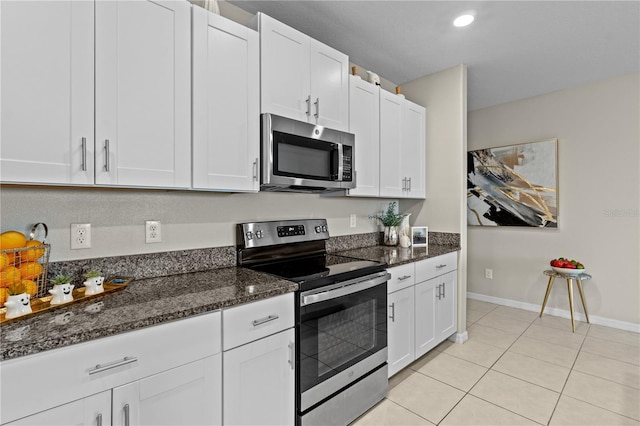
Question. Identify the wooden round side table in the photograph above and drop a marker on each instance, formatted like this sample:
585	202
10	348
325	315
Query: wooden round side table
578	278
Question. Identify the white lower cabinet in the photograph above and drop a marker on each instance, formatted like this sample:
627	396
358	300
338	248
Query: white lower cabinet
186	395
92	410
168	374
422	308
259	363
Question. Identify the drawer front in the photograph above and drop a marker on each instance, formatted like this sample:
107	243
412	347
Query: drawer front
76	371
430	268
402	276
255	320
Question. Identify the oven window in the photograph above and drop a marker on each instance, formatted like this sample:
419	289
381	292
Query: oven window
338	333
303	157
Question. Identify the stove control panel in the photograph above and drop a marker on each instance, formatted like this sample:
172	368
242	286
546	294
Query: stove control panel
262	234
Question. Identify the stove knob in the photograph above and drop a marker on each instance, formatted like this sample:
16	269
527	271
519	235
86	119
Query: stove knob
249	235
318	229
259	234
324	228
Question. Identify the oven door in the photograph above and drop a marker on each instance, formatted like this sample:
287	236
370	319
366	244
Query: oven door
342	336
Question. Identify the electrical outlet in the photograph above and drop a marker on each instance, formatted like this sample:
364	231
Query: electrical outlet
153	231
488	273
352	221
80	236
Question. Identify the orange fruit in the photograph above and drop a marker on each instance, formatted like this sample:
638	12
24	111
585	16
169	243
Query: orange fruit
4	261
31	254
9	276
29	270
30	287
4	295
11	240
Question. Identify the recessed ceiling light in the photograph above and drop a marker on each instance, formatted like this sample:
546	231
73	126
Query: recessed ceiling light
463	20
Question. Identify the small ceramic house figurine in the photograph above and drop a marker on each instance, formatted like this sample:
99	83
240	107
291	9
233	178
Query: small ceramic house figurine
93	283
18	302
62	290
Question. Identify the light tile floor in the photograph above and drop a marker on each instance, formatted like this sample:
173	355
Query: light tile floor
518	369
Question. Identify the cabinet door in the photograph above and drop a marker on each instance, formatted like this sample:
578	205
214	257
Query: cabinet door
226	115
46	113
143	97
329	71
391	173
446	312
94	410
284	68
187	395
364	122
425	303
400	328
259	382
413	149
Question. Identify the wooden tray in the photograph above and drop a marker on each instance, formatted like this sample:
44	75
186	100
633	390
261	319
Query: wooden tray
41	304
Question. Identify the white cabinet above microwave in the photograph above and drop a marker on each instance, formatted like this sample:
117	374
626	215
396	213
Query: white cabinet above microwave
301	78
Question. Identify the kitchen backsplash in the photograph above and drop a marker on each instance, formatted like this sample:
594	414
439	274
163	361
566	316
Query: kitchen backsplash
184	261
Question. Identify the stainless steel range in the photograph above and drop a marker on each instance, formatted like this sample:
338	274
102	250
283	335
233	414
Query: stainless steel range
341	317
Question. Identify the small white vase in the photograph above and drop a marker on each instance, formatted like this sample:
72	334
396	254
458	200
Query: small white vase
94	286
62	293
17	305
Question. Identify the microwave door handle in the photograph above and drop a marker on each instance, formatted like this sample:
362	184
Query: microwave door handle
340	162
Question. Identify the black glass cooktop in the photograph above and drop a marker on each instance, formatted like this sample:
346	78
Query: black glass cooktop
316	271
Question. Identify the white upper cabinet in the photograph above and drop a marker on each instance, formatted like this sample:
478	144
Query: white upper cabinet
46	113
143	96
225	98
364	123
391	173
302	78
402	147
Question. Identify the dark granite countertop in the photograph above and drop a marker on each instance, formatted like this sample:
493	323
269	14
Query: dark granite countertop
394	256
142	303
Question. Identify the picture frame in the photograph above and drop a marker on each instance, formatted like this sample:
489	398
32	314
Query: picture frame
513	185
419	236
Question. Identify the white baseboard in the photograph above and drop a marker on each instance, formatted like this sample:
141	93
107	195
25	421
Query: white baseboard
459	337
563	313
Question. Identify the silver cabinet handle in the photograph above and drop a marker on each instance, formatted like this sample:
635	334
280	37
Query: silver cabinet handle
106	155
317	104
440	266
99	368
308	101
99	419
255	169
292	356
126	414
265	320
404	277
444	291
393	312
409	184
84	154
404	184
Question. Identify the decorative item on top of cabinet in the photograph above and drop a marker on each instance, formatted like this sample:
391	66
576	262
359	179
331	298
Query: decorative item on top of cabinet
301	78
373	78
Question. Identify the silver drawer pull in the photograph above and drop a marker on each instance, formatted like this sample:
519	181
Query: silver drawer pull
265	320
404	277
440	266
84	155
99	368
292	355
106	155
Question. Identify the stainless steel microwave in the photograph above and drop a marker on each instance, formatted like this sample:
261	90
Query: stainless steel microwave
303	157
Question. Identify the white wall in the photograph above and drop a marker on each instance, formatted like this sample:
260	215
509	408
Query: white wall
444	94
598	133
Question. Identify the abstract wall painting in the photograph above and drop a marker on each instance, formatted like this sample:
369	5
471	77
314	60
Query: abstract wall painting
514	185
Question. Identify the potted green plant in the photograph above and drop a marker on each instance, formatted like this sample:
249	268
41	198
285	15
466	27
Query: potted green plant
62	290
93	283
18	303
391	221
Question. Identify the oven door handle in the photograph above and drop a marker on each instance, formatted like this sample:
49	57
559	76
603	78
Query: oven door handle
345	290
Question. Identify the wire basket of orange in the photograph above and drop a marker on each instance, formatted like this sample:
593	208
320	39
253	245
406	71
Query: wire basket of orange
24	261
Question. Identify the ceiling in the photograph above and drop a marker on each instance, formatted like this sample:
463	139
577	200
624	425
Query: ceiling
513	49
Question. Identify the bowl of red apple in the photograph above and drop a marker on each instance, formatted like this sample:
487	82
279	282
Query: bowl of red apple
565	266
